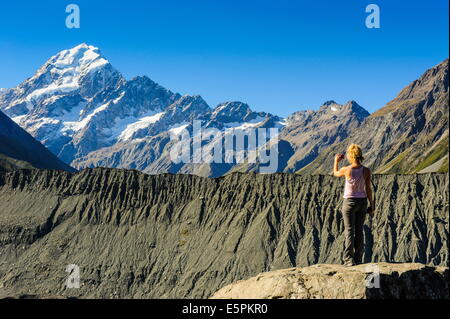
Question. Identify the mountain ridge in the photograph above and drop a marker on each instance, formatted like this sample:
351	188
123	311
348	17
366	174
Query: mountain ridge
407	135
80	104
86	113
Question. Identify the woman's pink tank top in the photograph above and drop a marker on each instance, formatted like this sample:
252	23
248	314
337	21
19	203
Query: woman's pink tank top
355	187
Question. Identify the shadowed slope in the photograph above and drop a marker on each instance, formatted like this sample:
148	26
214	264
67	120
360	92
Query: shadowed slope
18	149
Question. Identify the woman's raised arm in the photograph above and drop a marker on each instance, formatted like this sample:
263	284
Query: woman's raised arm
336	171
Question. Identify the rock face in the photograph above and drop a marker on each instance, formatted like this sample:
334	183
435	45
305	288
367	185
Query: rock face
18	149
174	236
408	135
395	281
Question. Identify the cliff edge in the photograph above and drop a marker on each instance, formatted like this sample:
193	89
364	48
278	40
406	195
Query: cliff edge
323	281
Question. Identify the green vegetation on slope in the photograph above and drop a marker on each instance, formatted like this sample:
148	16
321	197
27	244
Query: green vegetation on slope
395	166
444	167
439	152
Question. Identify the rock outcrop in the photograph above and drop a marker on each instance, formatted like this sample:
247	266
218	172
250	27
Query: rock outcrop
175	236
369	281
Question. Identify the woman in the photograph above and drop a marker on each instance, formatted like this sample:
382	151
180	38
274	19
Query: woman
357	190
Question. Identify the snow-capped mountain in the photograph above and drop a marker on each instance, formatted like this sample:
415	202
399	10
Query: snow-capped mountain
84	111
150	152
77	103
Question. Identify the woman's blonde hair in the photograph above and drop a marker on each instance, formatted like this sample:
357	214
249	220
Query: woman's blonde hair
354	152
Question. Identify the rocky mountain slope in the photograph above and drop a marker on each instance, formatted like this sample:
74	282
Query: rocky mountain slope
395	281
307	133
310	132
408	135
18	149
137	235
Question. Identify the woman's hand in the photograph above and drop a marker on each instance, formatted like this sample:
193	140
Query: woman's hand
371	208
338	157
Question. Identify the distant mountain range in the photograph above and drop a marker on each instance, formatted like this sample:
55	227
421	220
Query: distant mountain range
86	113
307	133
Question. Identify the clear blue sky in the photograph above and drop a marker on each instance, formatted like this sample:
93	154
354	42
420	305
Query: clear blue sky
279	56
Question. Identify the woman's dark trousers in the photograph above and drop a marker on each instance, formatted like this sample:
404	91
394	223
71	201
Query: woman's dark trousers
354	213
